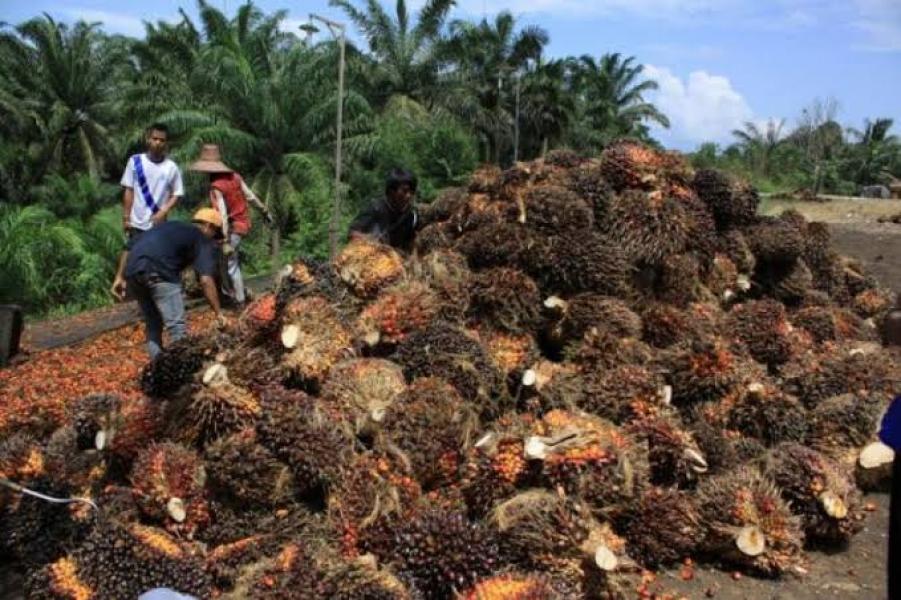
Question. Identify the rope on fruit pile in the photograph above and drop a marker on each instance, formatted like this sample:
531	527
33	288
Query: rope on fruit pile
24	490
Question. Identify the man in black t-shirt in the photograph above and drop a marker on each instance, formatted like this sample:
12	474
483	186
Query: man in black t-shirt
391	220
153	273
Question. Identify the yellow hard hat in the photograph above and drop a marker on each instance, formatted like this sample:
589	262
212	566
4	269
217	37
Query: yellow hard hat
208	215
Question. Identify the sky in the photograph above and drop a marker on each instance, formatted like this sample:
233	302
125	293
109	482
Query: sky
719	63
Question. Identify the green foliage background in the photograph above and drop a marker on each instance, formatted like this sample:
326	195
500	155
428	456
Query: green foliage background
426	93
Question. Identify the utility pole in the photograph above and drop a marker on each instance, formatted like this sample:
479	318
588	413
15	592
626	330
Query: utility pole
516	122
338	32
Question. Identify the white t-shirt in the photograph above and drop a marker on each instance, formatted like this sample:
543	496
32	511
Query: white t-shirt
163	180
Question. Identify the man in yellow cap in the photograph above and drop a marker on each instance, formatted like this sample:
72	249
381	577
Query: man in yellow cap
153	273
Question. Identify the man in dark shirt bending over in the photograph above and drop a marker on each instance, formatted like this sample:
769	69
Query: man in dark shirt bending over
391	220
153	273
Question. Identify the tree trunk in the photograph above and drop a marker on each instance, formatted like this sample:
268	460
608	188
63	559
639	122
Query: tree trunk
544	145
275	248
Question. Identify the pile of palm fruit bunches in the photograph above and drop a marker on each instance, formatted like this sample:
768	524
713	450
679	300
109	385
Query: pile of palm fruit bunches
587	369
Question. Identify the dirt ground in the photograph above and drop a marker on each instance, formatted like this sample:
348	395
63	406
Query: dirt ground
857	232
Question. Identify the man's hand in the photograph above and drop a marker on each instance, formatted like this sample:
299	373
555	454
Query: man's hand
222	321
158	218
118	289
126	223
227	249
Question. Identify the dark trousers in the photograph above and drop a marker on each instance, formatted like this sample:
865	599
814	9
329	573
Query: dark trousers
894	534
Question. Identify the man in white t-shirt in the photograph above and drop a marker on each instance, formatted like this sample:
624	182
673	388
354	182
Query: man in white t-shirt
151	186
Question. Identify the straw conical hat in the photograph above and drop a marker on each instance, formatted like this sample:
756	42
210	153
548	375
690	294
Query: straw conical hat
210	161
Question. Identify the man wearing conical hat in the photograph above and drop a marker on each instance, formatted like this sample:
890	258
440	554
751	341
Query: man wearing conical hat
229	196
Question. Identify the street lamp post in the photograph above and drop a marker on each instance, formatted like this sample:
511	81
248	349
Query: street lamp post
338	32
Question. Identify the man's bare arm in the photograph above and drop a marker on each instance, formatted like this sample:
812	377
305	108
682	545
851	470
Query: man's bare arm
163	212
248	193
210	293
128	200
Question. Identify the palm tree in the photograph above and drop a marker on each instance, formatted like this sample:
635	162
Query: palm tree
56	83
270	103
611	94
488	55
548	107
159	73
759	145
407	62
874	153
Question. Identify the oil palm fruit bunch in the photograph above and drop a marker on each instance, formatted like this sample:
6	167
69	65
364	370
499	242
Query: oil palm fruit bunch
441	550
124	560
589	183
649	225
589	458
592	262
543	531
630	164
496	466
664	527
774	240
513	354
169	486
749	525
570	319
555	210
366	499
433	428
873	303
172	368
450	353
447	273
363	390
315	338
500	244
522	586
506	299
703	371
217	408
367	266
763	327
837	369
674	457
732	202
36	532
398	312
819	490
242	470
621	392
304	436
601	349
766	413
664	325
846	421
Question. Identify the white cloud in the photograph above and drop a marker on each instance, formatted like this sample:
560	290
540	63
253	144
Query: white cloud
112	22
880	22
702	108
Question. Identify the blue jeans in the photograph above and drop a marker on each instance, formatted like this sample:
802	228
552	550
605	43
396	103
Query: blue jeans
162	305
